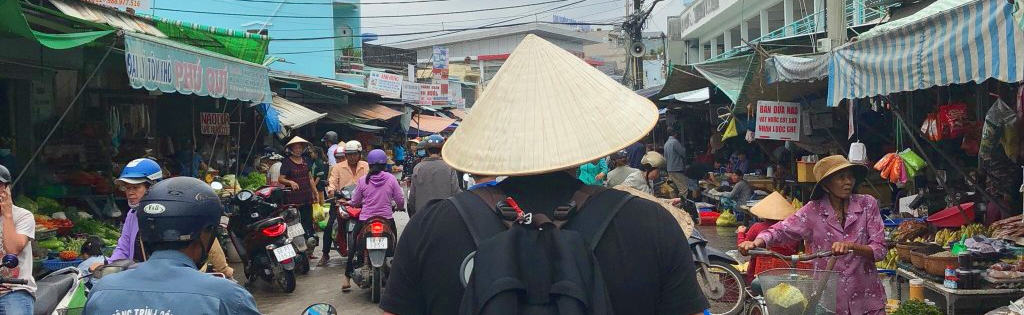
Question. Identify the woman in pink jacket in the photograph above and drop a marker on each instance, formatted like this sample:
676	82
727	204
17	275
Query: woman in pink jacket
377	193
838	220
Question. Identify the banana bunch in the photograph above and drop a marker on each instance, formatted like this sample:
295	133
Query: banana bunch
973	230
891	258
920	240
944	237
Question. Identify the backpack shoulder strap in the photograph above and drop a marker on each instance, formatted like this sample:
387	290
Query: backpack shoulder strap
478	211
591	222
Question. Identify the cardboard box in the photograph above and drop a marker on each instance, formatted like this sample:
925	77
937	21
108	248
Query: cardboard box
805	172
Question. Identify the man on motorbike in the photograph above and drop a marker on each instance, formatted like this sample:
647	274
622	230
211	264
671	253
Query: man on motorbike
135	180
180	216
377	193
432	178
343	174
19	228
546	131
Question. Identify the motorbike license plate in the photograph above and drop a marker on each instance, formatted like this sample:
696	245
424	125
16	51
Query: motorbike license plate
376	243
295	230
284	252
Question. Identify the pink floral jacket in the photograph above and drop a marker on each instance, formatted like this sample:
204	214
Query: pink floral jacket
859	290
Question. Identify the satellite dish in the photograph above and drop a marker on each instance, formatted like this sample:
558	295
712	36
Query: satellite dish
637	49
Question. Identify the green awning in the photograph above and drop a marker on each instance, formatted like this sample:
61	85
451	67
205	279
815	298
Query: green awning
242	45
13	21
729	75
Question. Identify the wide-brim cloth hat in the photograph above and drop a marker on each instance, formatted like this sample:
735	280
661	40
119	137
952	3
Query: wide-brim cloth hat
547	110
833	164
774	207
295	140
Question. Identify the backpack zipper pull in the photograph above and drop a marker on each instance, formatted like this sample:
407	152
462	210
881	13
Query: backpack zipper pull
521	216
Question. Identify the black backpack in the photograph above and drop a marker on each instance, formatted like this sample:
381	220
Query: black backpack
533	264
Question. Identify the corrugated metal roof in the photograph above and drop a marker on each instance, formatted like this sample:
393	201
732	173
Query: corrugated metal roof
293	115
283	75
430	123
460	113
115	18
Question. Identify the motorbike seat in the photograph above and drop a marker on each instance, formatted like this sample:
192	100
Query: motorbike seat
52	289
259	225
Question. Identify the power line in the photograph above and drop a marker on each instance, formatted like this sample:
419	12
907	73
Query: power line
362	17
435	31
332	2
499	22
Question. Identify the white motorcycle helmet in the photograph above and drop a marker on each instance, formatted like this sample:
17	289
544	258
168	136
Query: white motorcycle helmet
353	147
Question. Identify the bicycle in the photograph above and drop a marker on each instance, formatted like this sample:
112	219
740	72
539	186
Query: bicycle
816	287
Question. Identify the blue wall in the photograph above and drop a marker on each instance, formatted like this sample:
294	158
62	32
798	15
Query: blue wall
319	64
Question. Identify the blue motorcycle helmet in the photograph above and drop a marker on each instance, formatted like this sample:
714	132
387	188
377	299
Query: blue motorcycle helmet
140	171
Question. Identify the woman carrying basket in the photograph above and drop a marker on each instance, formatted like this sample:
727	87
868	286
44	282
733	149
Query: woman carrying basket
836	219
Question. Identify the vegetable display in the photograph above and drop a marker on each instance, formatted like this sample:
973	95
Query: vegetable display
253	180
915	307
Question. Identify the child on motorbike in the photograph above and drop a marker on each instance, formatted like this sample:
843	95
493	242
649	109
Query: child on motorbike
377	193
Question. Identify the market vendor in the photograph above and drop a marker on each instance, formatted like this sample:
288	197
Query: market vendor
135	180
836	219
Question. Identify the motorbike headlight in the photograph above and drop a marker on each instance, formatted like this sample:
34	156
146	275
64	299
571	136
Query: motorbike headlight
243	196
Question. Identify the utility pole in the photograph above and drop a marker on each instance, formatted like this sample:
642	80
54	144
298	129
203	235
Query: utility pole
835	23
634	28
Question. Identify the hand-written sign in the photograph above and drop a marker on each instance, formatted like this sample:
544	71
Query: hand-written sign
778	121
215	123
386	84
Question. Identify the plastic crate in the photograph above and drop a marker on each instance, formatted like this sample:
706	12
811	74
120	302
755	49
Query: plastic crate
764	263
58	264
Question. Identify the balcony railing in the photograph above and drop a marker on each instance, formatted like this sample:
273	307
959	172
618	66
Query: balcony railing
856	14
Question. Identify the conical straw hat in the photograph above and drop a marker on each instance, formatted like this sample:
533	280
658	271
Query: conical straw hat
295	140
547	110
774	207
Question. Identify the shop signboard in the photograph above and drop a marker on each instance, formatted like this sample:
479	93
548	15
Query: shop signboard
411	92
215	124
440	58
160	64
124	5
430	94
778	121
454	92
386	84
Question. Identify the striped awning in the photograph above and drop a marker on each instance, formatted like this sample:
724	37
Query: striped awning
975	41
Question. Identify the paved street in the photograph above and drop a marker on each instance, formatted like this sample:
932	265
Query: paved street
322	285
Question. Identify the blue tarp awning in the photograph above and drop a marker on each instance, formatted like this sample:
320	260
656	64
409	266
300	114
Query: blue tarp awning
975	41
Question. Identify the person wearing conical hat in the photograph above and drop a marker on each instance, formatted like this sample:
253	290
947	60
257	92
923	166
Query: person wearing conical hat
296	173
545	113
772	210
845	223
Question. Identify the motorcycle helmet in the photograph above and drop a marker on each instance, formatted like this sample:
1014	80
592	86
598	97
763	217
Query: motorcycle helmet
622	154
140	171
330	136
274	156
353	147
339	153
5	175
178	210
433	142
377	156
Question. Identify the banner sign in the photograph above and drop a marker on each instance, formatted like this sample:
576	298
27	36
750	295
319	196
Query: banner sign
430	94
778	121
386	84
454	92
159	64
440	58
411	92
123	5
215	123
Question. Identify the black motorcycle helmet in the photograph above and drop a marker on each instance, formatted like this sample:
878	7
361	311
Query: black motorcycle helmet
330	136
5	175
176	210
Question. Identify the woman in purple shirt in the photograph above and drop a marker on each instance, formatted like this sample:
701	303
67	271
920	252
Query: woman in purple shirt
377	193
838	220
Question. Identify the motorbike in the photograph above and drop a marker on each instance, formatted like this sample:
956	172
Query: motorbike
721	282
264	247
56	292
373	264
303	245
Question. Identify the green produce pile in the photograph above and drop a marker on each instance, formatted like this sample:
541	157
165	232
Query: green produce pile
107	232
252	181
914	307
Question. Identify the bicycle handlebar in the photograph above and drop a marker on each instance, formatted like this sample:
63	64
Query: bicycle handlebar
792	258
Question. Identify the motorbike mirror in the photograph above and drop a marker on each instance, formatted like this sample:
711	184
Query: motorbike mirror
320	309
216	185
10	261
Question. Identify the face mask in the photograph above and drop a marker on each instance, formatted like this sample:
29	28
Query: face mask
421	152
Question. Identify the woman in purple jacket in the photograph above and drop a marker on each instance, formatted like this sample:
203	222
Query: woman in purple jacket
377	193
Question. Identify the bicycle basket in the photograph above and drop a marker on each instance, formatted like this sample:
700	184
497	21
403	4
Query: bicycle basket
792	291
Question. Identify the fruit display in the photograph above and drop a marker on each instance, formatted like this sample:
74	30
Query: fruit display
890	260
909	230
68	255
